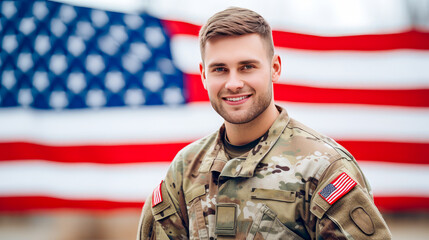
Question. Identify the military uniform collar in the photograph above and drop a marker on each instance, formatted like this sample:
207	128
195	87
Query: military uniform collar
237	167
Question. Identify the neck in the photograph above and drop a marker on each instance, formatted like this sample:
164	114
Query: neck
240	134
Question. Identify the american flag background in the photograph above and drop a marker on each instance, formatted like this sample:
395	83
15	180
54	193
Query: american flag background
97	97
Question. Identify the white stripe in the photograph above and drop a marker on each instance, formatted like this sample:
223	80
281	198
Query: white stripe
348	122
338	189
388	179
177	124
347	184
329	17
339	180
341	191
122	182
135	182
107	126
124	6
398	69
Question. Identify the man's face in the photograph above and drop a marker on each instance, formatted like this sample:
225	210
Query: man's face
238	75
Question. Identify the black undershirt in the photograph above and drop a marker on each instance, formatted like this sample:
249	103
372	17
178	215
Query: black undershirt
234	151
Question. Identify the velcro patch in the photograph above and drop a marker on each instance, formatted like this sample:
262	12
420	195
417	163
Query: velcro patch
337	188
157	195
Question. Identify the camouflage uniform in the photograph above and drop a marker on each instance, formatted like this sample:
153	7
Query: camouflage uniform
271	193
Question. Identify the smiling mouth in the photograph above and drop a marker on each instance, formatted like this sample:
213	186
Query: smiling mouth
236	99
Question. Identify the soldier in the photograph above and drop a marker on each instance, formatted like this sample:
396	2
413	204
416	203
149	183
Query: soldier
262	175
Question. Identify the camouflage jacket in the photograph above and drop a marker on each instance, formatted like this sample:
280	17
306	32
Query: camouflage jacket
280	190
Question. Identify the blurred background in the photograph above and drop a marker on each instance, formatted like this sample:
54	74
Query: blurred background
97	97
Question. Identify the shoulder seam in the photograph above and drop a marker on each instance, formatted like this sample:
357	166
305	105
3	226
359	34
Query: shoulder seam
337	149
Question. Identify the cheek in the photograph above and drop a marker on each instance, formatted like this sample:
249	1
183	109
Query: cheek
260	81
213	88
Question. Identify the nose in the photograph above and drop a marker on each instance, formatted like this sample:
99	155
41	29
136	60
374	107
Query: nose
234	84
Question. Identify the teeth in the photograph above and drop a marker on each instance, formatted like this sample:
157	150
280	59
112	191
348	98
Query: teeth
236	99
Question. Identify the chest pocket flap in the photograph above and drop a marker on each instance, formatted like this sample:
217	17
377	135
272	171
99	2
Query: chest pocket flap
194	192
272	194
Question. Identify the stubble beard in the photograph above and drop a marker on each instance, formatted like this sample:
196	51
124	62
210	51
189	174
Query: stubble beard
250	114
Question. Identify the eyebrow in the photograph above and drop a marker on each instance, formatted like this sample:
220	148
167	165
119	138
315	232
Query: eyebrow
216	65
244	62
249	62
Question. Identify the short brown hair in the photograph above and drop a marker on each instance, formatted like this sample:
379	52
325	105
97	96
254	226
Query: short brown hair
235	21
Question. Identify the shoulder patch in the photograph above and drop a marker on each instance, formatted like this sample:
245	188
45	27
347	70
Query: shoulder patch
157	195
337	188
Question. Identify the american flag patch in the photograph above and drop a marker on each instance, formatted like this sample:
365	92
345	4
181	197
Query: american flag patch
157	195
337	188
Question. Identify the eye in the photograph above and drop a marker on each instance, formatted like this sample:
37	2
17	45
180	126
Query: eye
248	67
219	69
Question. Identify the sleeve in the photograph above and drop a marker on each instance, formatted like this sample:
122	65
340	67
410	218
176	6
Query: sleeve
167	218
344	206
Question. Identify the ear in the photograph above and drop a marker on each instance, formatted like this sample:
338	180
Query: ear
276	68
203	75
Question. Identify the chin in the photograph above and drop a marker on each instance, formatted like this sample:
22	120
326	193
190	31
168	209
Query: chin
242	119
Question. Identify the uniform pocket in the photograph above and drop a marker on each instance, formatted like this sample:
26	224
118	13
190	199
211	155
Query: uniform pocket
267	226
274	195
197	223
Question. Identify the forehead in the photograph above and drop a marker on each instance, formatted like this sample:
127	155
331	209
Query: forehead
233	49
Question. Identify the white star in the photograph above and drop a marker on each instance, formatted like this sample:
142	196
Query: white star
119	33
114	81
172	96
75	45
154	36
58	99
8	79
42	44
25	97
131	63
40	10
94	64
9	43
84	30
8	9
40	80
76	82
58	63
27	25
58	27
133	21
99	18
134	97
67	13
108	44
166	66
140	50
152	80
25	62
95	98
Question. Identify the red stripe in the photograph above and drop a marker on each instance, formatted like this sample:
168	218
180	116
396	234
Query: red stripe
405	152
411	39
109	154
345	188
305	94
407	98
32	203
37	203
401	203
